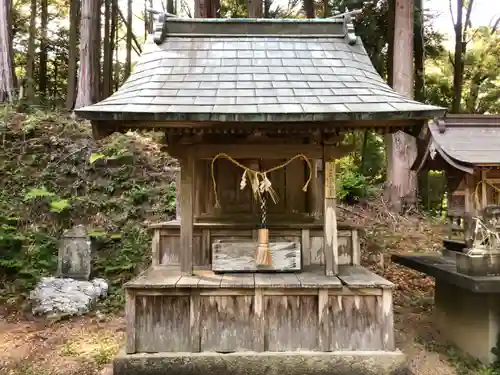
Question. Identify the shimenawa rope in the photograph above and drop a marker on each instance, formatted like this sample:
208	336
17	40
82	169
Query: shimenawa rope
260	185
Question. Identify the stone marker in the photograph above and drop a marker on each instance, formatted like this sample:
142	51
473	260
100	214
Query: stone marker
75	254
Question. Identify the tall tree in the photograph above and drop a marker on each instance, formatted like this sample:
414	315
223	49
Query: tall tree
42	65
206	8
461	27
89	61
128	59
419	51
107	61
402	147
309	10
6	76
254	8
74	18
30	58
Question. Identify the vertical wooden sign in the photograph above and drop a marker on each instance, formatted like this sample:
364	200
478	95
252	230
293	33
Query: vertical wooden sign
330	242
330	189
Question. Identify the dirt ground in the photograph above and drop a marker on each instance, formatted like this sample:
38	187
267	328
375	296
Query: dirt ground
86	345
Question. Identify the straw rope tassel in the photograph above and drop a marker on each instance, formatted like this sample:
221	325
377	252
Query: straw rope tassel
260	185
263	257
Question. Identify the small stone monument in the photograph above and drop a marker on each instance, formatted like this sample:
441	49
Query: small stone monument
75	254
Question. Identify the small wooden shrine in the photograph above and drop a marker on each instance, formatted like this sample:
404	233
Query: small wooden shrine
255	110
467	271
467	149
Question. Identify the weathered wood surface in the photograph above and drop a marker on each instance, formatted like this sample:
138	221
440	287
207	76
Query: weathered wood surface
175	224
239	255
360	277
313	276
291	323
187	208
259	311
162	322
330	237
167	250
227	324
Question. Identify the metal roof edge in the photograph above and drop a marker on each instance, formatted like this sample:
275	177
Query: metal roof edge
90	113
161	30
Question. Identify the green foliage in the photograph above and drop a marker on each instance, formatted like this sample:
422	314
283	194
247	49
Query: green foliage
481	86
361	172
54	176
351	186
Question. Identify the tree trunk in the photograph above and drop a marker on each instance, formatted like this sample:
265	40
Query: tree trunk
401	147
97	51
308	6
460	50
390	37
10	17
170	7
419	52
457	75
42	70
107	52
254	8
128	60
117	48
89	64
326	8
6	76
113	44
207	8
73	52
30	58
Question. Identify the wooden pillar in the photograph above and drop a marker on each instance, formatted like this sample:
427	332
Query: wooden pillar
484	188
315	191
187	208
469	209
178	194
330	240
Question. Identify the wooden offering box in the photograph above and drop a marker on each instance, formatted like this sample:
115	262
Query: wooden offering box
303	245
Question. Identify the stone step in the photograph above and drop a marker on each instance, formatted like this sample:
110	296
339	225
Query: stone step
268	363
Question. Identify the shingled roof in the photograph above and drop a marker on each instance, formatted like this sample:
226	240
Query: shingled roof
255	70
461	141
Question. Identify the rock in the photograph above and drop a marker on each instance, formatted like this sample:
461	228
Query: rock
66	297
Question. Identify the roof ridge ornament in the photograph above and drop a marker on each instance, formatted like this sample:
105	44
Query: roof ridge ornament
349	31
160	27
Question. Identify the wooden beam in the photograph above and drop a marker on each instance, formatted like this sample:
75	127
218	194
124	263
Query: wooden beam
330	240
484	188
470	210
262	151
187	207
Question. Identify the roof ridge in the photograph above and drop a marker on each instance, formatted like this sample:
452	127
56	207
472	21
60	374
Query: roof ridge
338	27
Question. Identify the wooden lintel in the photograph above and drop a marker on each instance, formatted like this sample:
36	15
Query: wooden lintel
262	151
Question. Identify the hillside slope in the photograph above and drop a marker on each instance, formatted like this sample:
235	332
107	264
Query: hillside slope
53	175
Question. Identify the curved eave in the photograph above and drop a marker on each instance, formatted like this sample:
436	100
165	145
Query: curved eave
98	116
440	160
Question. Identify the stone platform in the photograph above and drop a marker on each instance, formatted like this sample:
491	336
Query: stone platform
466	308
269	363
